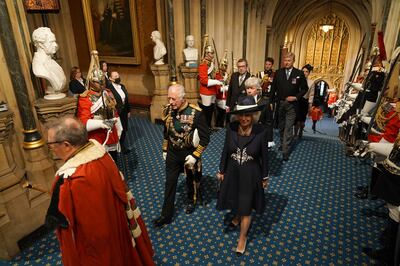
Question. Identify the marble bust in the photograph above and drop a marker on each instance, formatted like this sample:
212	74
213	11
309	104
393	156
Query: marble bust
159	49
44	66
191	53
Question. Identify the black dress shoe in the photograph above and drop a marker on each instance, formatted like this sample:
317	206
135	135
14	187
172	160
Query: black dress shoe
382	255
286	157
190	208
161	221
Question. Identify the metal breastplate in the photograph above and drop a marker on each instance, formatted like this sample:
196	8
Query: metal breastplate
107	106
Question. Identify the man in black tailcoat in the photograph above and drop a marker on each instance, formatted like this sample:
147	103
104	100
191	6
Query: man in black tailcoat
288	87
236	84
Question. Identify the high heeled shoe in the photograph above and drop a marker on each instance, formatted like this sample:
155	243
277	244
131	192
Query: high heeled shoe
241	252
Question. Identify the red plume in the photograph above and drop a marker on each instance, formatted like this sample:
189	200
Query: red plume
381	45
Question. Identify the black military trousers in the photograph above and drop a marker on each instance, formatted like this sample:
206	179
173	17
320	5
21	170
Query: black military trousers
173	167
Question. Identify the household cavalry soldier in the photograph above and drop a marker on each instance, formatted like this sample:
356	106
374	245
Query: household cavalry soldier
209	84
97	109
186	135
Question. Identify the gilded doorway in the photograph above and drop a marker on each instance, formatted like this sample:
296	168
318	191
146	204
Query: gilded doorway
327	50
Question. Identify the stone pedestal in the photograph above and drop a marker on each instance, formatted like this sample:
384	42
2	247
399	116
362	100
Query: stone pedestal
190	82
21	211
53	109
161	80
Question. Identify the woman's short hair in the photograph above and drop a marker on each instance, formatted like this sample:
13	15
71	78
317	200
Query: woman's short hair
74	70
308	67
253	82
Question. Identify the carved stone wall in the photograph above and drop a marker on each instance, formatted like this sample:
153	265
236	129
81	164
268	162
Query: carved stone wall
190	82
161	80
21	211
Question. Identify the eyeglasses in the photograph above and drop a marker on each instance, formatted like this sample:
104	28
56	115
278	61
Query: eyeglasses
54	142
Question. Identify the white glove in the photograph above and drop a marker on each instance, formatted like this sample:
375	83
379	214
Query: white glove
224	88
357	86
213	82
93	124
380	148
353	96
118	125
164	155
366	119
368	106
190	161
196	138
271	144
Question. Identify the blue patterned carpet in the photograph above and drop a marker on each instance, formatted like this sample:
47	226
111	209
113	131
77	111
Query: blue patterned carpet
311	218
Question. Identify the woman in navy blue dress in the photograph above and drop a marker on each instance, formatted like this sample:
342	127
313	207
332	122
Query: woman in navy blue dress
243	169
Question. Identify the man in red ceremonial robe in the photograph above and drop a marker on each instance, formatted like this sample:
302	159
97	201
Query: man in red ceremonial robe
95	216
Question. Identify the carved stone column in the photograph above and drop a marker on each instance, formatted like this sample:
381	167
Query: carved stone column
161	80
21	211
190	82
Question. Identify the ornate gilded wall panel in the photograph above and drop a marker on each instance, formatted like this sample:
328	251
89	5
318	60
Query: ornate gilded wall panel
326	51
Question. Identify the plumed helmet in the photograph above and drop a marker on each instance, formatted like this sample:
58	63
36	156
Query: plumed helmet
207	47
224	60
95	74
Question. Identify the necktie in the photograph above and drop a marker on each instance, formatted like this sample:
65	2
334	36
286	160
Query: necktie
241	80
287	73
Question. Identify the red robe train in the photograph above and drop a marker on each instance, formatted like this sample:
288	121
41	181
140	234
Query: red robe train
94	200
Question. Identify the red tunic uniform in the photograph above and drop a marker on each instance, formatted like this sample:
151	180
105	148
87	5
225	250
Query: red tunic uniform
391	129
93	199
90	106
203	78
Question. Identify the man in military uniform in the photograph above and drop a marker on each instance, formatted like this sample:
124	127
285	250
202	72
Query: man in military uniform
385	184
209	84
267	76
97	110
186	135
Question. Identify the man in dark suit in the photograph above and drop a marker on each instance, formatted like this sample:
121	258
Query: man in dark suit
123	108
236	84
288	87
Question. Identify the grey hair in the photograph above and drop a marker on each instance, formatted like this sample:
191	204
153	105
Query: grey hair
40	35
179	88
253	82
69	128
290	54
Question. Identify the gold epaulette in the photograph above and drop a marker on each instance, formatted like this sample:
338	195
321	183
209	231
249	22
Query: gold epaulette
84	94
194	106
165	112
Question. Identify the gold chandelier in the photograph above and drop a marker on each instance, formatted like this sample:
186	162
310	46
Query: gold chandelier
327	26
